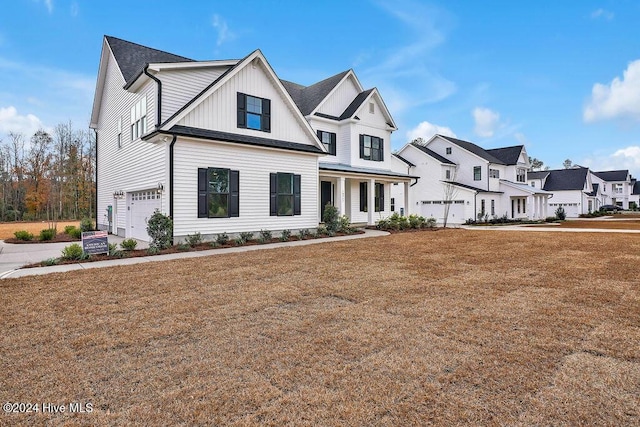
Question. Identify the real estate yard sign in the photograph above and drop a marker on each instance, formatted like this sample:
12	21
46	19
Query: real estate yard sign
95	242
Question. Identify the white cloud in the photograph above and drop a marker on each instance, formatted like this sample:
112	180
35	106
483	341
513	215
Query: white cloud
11	121
487	122
224	34
74	9
49	4
603	14
618	99
426	130
623	158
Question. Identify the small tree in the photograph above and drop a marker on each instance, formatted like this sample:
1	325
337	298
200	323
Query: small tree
560	213
160	229
450	192
331	218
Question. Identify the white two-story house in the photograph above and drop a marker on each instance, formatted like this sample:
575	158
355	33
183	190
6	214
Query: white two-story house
616	185
460	180
220	146
355	127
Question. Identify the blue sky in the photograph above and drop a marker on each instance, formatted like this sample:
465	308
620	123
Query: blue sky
561	77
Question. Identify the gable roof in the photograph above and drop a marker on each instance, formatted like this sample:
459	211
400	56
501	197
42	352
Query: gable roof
432	153
537	175
307	98
636	188
508	155
402	159
132	57
566	179
471	187
355	104
595	190
473	148
617	175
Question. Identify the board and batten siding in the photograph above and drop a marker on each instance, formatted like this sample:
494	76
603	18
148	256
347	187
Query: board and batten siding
180	86
137	165
254	165
219	110
340	99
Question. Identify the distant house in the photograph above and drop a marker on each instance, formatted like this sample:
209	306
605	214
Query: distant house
470	182
634	198
572	190
617	187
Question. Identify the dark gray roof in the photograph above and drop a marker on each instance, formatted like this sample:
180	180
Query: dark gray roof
566	179
355	104
367	171
595	190
132	57
432	153
470	187
307	98
636	187
242	139
508	155
619	175
402	159
470	146
537	175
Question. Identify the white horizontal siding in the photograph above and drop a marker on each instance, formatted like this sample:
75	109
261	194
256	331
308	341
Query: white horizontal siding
180	86
340	99
254	165
137	164
360	129
219	110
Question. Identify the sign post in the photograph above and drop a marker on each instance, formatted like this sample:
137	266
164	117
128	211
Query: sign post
95	242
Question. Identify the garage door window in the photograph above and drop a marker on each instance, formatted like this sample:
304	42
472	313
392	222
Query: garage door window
218	193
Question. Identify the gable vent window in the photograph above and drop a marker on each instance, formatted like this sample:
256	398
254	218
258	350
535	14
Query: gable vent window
448	150
139	119
254	113
371	148
328	139
372	107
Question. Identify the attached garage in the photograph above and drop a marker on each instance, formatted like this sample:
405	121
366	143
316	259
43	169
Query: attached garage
142	204
436	209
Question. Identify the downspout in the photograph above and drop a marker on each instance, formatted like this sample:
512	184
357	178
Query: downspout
95	131
173	141
159	95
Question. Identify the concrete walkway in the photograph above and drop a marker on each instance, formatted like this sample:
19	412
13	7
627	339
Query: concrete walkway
180	255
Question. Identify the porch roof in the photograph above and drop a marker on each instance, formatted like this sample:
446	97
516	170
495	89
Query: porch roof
339	167
524	187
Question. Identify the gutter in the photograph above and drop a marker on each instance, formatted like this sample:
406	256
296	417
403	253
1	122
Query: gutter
158	97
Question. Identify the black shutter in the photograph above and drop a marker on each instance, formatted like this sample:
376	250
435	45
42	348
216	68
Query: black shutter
242	110
273	194
296	195
202	193
381	150
363	196
234	193
381	203
333	144
265	122
361	148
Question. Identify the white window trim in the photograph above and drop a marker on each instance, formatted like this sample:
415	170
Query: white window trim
139	118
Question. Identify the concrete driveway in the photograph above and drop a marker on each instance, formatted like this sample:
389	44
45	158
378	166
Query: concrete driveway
13	256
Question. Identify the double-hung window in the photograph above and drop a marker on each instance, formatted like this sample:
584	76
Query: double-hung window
494	173
371	148
328	139
218	193
139	118
477	173
254	113
284	193
378	197
521	175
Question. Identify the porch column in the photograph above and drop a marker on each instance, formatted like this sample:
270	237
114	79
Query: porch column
406	199
371	204
545	205
340	197
541	200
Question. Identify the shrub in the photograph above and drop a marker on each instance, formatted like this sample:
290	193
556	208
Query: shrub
69	229
184	247
284	236
560	213
322	231
86	224
240	241
23	235
330	218
114	252
265	236
50	261
344	224
303	233
550	219
160	229
129	244
73	252
416	221
430	222
76	233
222	239
247	236
48	234
153	250
193	239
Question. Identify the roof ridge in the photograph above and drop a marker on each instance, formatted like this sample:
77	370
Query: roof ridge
147	47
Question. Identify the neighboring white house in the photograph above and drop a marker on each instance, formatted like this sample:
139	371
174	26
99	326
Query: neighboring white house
469	182
572	190
616	186
634	199
355	127
220	146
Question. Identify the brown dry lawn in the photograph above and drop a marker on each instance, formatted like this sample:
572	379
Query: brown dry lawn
608	224
446	328
8	228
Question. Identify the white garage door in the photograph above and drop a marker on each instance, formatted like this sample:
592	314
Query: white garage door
435	209
141	207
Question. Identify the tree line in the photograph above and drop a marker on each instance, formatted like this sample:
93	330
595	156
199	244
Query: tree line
48	176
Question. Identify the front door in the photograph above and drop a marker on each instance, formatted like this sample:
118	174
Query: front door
326	194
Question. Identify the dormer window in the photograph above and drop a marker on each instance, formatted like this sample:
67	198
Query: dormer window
521	175
254	113
139	119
